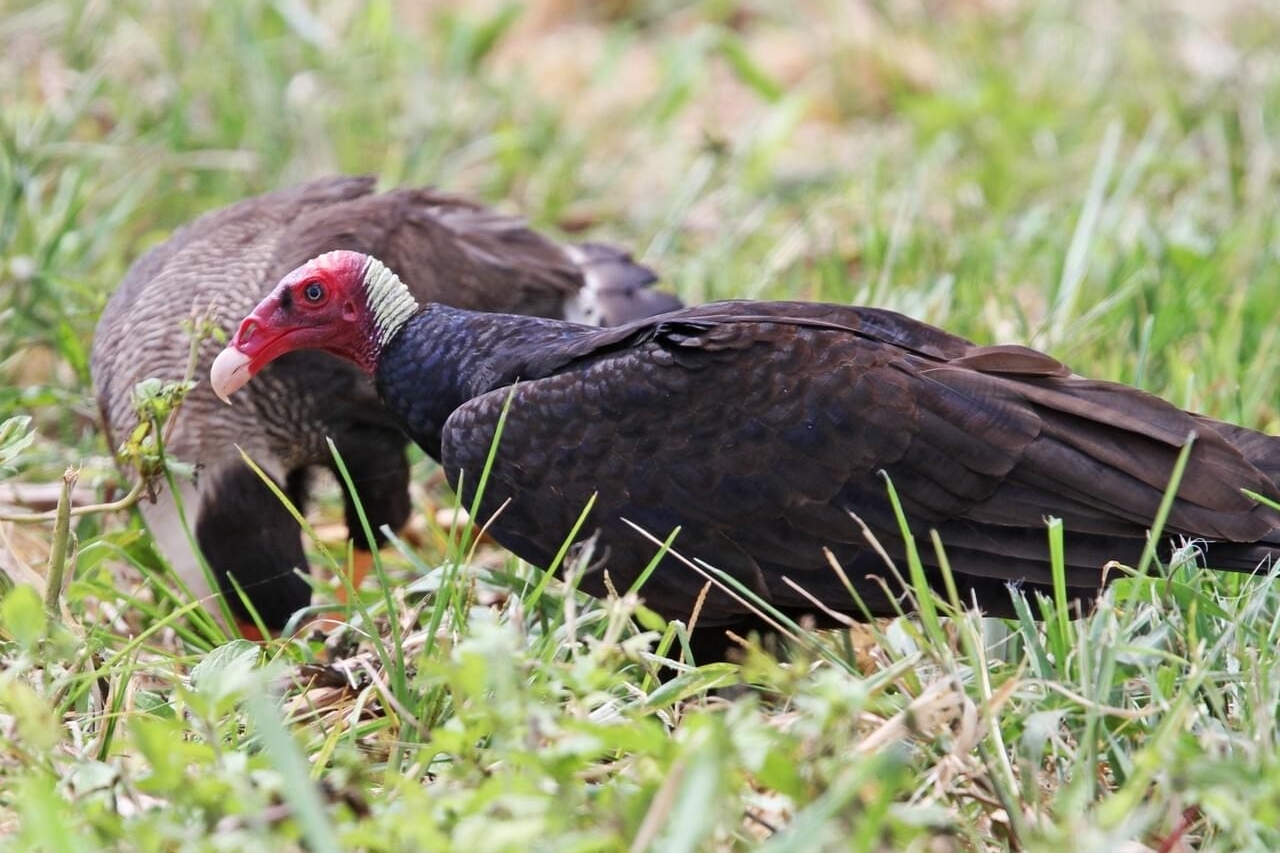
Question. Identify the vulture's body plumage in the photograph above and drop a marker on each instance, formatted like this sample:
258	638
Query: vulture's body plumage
447	249
761	430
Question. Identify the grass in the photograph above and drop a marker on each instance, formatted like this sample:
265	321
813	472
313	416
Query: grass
1094	180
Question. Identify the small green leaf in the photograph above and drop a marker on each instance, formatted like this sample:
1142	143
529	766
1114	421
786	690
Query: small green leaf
37	724
228	670
155	738
22	616
16	436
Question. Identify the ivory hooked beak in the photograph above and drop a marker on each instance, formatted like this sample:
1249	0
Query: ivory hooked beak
229	373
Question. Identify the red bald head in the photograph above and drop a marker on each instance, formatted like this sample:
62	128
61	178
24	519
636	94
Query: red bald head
336	303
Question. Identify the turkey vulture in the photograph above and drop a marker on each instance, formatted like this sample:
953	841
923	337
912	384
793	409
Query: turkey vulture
759	430
448	250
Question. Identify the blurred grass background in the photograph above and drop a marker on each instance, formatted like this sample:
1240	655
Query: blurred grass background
1093	178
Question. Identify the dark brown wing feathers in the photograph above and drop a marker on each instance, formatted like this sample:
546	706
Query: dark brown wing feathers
759	427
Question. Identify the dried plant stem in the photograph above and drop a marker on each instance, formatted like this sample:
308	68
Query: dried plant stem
55	514
61	541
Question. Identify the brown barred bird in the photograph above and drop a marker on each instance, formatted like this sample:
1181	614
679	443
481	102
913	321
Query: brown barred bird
447	250
760	430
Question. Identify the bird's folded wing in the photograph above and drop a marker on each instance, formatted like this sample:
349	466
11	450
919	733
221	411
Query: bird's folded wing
759	438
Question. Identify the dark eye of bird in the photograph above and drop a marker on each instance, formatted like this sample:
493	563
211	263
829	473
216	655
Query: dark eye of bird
314	291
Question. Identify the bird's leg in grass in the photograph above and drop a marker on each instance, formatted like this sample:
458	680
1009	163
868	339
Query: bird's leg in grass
262	558
358	569
374	460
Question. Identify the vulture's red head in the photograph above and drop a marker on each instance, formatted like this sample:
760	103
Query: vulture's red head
344	303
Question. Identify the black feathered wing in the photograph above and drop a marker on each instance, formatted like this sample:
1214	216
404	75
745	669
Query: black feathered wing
759	435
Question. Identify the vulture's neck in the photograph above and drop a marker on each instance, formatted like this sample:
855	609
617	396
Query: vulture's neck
442	357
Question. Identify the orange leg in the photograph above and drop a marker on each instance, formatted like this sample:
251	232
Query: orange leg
361	564
249	631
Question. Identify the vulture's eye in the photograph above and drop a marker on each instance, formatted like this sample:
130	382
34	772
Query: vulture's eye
313	291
